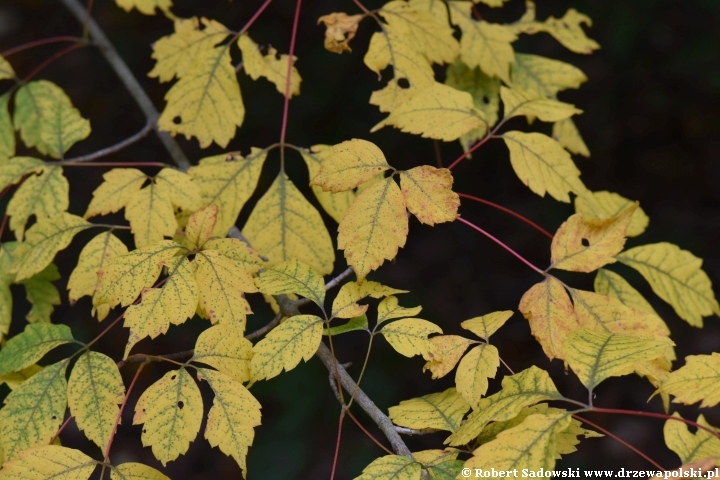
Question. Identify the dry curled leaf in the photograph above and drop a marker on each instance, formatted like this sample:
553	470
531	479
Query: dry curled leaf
340	29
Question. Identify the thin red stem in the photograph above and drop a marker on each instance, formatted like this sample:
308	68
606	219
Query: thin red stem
507	210
620	440
254	17
5	190
62	427
368	433
47	62
517	255
286	105
122	407
471	150
2	227
42	41
664	416
337	442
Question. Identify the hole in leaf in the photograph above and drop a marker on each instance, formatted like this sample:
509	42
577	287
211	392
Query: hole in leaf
585	242
485	100
173	377
403	83
180	405
54	417
177	120
144	430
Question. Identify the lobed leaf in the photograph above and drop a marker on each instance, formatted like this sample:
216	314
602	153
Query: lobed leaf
691	447
697	380
409	336
223	347
447	350
441	411
428	194
295	277
602	205
345	306
119	187
26	348
471	377
349	164
49	461
45	195
271	66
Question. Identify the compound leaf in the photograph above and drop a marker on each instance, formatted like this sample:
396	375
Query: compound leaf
200	226
271	66
389	309
613	285
345	306
119	187
447	350
223	347
31	345
605	204
45	195
409	336
94	256
135	471
488	324
698	379
295	277
49	461
441	411
471	378
396	467
428	194
691	447
238	251
349	164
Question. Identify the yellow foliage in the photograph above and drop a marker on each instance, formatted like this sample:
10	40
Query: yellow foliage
428	194
14	380
200	226
171	410
691	447
487	324
605	204
135	471
340	29
348	165
344	305
389	308
396	467
698	379
566	30
7	131
238	251
270	66
146	7
223	347
473	372
42	294
613	285
13	170
45	195
49	461
6	70
542	77
566	134
119	187
518	103
293	277
26	348
441	411
409	337
447	350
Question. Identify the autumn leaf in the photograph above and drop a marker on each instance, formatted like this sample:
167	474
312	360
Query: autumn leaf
441	464
340	28
613	285
691	447
237	251
396	467
6	70
441	411
200	226
389	308
566	134
146	7
409	336
447	350
474	370
567	30
16	168
14	380
697	380
293	277
135	471
271	66
542	77
223	347
7	131
49	461
42	294
428	194
45	195
345	306
605	204
486	325
349	164
119	187
26	348
517	103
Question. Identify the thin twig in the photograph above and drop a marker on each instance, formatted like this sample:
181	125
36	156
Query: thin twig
369	435
42	41
122	407
664	416
51	59
412	431
288	71
263	330
507	210
254	17
111	149
60	430
337	442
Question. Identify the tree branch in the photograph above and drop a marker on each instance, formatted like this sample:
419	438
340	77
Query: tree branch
128	79
113	148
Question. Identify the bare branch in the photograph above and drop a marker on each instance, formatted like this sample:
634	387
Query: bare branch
411	431
113	148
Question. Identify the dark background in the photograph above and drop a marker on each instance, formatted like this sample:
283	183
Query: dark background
652	124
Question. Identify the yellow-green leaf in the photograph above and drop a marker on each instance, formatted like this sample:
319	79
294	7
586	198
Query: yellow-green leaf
296	338
525	388
238	251
223	347
447	350
272	66
567	134
233	416
543	77
349	164
543	165
175	54
437	111
284	225
353	325
374	227
698	379
409	336
95	255
119	187
487	324
171	410
14	380
551	315
124	277
49	461
206	102
518	103
200	226
345	306
676	276
45	195
7	132
472	375
151	215
485	45
395	467
691	447
568	31
6	70
605	204
442	411
389	309
146	7
595	356
586	244
42	294
393	47
135	471
613	285
34	411
295	277
47	119
31	345
180	188
441	464
222	283
174	302
95	390
228	181
428	194
14	169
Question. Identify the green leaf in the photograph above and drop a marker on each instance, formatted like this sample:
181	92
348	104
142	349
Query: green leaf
293	276
393	467
42	294
50	461
223	347
441	411
95	390
355	323
31	345
7	132
16	168
95	256
45	195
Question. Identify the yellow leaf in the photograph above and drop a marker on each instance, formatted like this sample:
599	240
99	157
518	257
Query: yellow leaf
613	285
228	181
49	461
238	251
605	204
698	379
428	194
31	345
340	28
176	53
548	309
47	119
349	164
441	411
595	356
691	447
7	132
389	308
518	103
223	347
543	165
200	226
174	303
676	277
135	471
584	245
438	112
296	338
525	388
233	416
45	195
271	66
374	227
14	380
566	134
180	188
119	187
542	77
284	225
530	445
393	95
171	410
42	241
485	45
16	168
6	70
34	411
487	324
146	7
295	277
394	47
122	280
409	336
42	294
206	102
95	390
344	305
447	350
474	371
440	464
395	467
568	31
151	215
222	283
94	256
